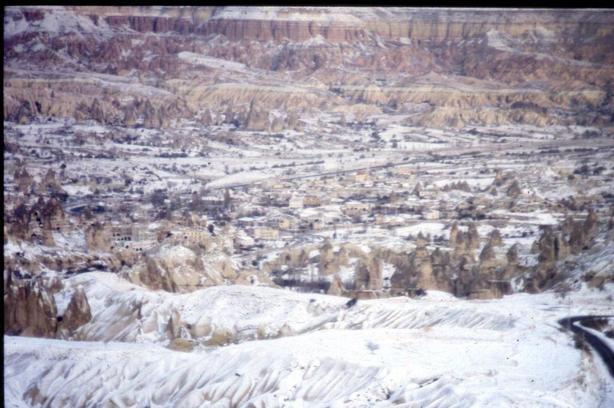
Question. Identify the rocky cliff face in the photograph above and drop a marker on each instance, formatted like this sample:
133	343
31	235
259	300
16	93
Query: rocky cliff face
77	313
152	65
175	268
343	24
29	309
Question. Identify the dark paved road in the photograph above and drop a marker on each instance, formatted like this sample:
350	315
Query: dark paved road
573	323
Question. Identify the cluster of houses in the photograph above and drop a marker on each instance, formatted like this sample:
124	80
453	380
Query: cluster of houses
268	211
280	209
287	208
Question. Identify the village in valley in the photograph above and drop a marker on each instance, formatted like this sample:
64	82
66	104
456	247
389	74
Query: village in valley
343	223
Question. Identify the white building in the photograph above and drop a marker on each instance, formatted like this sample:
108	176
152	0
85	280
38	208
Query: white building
296	201
432	215
266	233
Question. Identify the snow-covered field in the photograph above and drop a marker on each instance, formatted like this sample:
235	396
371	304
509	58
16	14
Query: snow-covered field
433	351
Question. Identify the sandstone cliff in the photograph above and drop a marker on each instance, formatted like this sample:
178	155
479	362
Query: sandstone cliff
152	65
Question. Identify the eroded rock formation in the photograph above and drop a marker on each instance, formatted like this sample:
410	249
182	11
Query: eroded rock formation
176	268
461	67
77	313
29	309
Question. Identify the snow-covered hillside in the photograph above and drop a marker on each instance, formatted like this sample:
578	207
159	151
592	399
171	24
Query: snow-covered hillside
432	351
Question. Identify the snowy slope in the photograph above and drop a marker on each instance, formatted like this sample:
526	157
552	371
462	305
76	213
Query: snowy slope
439	366
244	310
434	351
125	312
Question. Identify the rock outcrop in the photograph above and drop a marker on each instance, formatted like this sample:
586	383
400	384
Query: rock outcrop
556	243
462	67
98	237
29	309
176	268
77	313
336	288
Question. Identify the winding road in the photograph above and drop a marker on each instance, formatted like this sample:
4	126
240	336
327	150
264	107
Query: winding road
574	324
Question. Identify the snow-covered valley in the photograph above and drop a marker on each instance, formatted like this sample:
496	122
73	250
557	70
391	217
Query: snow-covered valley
308	207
